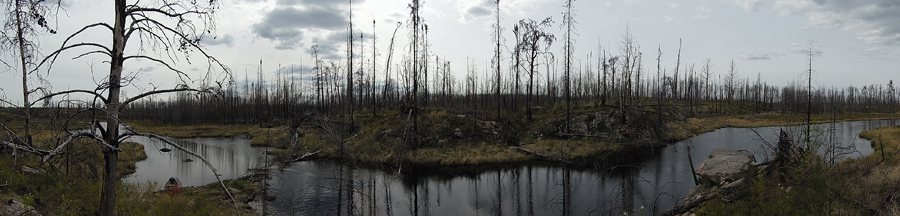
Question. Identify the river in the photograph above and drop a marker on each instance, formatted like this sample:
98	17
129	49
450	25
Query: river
312	187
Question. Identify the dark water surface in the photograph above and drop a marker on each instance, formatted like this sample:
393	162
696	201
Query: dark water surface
327	187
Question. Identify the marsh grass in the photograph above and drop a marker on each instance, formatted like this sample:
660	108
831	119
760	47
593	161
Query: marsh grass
55	192
259	136
867	185
696	126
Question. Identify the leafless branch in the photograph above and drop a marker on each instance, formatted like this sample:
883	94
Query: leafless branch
132	133
185	89
89	133
179	72
70	92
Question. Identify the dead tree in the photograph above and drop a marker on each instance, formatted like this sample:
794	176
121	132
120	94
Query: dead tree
535	42
172	30
497	39
25	21
568	22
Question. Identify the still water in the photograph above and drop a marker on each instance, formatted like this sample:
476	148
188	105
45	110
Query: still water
329	188
232	157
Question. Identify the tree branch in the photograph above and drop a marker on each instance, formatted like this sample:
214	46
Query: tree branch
132	132
70	92
83	133
132	99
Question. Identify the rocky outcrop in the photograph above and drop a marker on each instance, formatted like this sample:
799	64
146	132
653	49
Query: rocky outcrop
721	176
16	207
725	166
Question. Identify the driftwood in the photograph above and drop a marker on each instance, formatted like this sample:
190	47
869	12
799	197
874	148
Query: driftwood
690	203
547	157
578	135
685	206
306	156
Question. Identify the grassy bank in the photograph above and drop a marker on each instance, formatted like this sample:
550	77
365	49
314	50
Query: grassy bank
862	186
460	139
71	186
259	136
696	126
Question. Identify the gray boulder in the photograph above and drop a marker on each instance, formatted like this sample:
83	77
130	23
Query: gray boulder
725	166
16	207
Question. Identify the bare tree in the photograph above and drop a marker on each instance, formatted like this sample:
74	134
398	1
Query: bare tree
171	30
25	20
535	42
731	80
497	39
569	47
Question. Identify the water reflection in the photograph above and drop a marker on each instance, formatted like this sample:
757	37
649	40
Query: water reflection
232	157
314	187
328	188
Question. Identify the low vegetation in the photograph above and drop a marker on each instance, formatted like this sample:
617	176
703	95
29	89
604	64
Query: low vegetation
71	185
862	186
696	126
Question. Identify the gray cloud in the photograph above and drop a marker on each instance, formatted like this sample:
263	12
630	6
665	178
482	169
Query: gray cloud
333	44
483	9
226	40
876	23
287	2
326	3
285	25
755	56
804	48
749	5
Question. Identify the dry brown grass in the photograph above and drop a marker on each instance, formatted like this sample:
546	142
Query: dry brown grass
129	156
696	126
260	136
572	149
467	154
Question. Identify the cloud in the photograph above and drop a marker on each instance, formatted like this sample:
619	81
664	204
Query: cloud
226	40
875	23
704	9
704	13
672	6
803	48
332	45
749	5
324	3
755	56
287	24
669	18
287	2
472	10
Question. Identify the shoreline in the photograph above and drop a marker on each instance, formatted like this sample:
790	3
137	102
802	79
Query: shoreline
579	151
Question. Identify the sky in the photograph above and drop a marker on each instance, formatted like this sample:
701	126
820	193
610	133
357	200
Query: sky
855	41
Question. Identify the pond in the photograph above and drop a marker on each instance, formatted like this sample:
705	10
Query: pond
330	188
232	157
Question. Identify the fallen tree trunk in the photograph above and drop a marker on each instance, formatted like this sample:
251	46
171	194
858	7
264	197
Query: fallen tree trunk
307	156
547	157
691	203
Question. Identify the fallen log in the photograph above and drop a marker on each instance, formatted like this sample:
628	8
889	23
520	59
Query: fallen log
578	135
692	201
547	157
306	156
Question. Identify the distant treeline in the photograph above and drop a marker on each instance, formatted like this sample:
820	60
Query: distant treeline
533	80
690	92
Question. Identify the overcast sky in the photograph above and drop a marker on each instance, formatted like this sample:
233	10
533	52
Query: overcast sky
856	41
